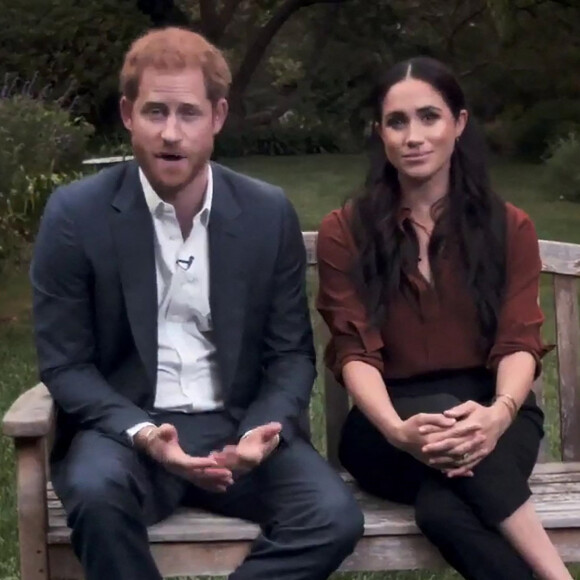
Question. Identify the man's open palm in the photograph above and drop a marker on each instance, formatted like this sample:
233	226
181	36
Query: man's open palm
251	450
202	471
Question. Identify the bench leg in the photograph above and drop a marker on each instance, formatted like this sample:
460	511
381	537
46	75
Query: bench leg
32	509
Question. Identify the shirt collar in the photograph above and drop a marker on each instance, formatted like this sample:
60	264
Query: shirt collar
155	203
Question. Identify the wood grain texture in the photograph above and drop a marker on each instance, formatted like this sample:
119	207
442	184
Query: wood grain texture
336	405
560	257
409	552
176	559
556	495
310	244
30	415
555	471
568	350
32	509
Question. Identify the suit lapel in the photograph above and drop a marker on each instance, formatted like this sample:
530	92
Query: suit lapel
133	235
227	287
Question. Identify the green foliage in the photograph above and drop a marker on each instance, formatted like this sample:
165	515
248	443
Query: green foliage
38	137
500	134
39	145
323	60
498	139
109	145
543	123
278	140
285	71
562	168
503	14
70	44
21	209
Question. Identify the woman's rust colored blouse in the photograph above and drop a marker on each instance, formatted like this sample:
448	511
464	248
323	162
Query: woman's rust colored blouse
441	332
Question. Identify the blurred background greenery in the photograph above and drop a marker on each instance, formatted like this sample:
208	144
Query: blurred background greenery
303	71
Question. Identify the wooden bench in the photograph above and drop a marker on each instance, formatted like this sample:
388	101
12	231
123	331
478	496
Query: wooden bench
193	542
97	163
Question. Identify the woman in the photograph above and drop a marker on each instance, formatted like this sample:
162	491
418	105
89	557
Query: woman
429	285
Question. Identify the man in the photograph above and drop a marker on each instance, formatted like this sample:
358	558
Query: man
173	332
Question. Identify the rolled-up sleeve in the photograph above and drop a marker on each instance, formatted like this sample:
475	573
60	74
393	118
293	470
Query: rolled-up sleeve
520	320
352	338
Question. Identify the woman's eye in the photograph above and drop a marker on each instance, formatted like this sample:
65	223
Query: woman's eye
396	123
430	117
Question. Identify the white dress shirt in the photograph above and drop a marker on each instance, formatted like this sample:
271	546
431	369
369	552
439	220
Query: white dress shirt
187	373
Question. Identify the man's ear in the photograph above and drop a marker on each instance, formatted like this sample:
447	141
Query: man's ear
126	109
220	114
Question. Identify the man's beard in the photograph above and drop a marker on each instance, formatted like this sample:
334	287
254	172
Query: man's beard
163	189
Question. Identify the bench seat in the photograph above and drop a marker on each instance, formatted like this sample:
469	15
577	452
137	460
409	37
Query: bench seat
192	542
197	543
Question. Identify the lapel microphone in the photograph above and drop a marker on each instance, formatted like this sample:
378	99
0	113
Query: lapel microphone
185	264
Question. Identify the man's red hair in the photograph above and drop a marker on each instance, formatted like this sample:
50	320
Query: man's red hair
175	49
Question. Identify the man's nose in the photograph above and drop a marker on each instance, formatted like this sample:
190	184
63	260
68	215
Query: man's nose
171	132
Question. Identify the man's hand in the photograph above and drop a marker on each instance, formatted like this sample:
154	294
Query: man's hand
251	450
475	436
162	444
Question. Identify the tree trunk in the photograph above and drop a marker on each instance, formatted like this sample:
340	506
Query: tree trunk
257	49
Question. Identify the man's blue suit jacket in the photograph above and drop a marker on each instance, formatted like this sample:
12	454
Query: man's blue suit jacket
95	303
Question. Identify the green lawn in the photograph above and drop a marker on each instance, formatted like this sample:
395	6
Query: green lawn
316	184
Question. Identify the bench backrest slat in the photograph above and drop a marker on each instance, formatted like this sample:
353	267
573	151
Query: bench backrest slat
568	345
562	261
310	244
560	257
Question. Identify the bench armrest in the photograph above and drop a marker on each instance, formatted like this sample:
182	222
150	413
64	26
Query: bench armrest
31	415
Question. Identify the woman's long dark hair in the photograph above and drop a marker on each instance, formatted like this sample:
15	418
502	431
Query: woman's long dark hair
472	218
